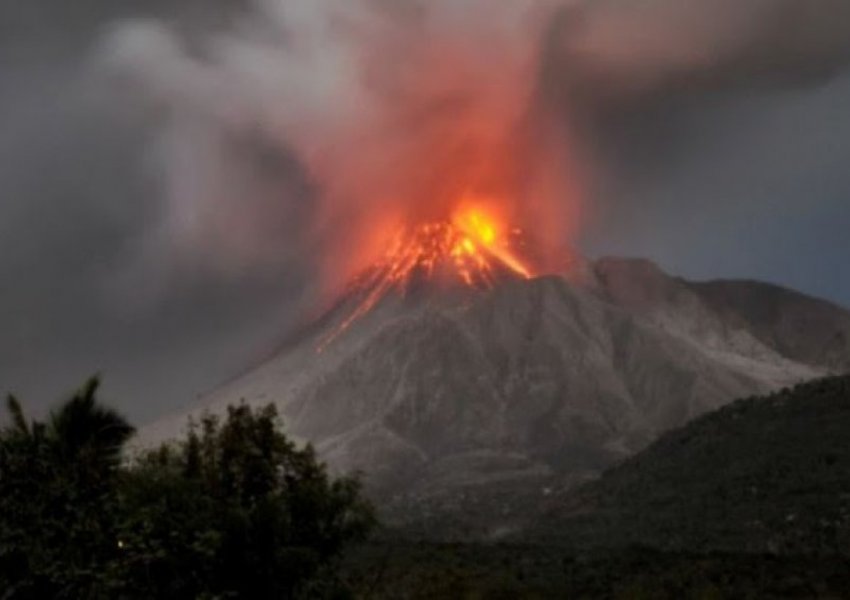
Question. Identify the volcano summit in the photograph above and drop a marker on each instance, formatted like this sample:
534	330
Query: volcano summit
471	249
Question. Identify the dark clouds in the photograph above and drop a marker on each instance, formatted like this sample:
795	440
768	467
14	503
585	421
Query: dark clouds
718	133
91	281
749	185
718	130
619	51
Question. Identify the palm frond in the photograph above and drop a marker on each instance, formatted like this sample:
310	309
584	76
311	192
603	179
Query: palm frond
89	389
83	422
19	422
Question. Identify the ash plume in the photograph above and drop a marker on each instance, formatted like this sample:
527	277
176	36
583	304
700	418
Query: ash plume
307	127
390	110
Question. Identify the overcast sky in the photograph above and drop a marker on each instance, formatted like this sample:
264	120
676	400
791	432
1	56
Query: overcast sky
728	171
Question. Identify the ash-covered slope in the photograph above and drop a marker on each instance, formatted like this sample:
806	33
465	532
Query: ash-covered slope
807	330
552	378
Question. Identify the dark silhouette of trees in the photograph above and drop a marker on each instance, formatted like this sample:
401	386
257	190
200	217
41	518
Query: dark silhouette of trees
57	484
234	510
238	507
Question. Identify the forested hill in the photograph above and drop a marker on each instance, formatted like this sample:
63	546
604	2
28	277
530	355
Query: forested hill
769	474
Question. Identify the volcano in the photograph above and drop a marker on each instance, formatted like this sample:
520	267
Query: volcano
499	381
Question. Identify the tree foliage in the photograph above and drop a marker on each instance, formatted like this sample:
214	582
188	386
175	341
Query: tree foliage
57	483
234	510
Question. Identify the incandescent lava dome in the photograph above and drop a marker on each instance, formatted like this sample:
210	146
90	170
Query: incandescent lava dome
473	247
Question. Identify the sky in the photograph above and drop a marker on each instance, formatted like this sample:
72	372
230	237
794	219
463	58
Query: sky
161	226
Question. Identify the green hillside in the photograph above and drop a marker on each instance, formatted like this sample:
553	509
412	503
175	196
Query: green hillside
765	474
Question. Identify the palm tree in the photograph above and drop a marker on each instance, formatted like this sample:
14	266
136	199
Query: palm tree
57	495
80	426
84	430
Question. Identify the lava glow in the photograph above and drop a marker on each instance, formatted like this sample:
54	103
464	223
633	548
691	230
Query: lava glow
472	248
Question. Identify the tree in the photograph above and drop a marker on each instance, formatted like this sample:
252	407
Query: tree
234	510
57	484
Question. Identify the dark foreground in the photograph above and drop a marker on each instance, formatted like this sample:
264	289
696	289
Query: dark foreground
752	501
476	571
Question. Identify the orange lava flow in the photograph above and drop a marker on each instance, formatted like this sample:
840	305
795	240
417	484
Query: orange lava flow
470	248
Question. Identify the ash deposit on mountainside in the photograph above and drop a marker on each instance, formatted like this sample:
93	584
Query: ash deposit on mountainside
449	398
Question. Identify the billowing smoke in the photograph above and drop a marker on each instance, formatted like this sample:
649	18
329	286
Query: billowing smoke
384	112
307	128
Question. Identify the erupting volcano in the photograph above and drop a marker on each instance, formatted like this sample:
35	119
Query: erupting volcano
473	248
424	169
455	369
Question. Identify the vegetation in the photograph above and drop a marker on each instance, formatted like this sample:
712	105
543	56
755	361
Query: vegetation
431	571
761	475
235	510
752	501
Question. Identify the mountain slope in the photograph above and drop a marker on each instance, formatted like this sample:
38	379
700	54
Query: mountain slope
804	329
732	317
767	474
436	392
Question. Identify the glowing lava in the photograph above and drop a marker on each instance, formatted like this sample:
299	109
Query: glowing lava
471	248
483	238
